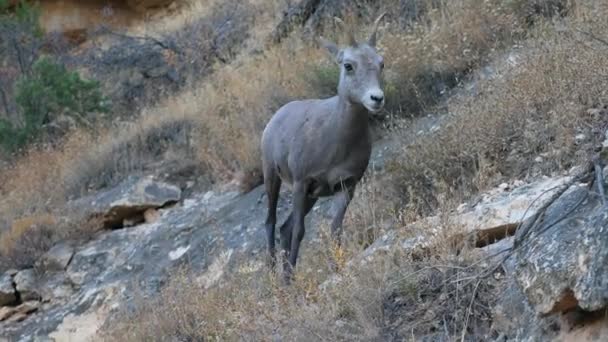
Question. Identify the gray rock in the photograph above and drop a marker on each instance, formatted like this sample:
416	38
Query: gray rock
119	267
56	287
128	200
12	272
514	316
157	72
26	285
564	263
7	290
58	257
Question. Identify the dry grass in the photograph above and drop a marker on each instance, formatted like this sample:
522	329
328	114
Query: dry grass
390	297
523	122
536	109
29	237
44	179
431	55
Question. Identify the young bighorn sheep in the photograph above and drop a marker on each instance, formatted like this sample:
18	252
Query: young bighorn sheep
322	147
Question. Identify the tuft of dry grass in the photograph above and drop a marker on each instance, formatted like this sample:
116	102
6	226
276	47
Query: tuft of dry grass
29	237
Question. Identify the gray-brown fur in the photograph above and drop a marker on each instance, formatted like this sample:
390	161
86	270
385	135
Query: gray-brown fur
322	147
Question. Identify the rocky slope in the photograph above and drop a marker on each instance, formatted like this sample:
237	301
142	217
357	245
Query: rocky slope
551	251
557	273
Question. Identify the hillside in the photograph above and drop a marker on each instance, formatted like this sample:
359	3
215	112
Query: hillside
132	204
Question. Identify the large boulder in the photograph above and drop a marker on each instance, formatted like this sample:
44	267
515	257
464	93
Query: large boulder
7	290
558	274
126	203
563	263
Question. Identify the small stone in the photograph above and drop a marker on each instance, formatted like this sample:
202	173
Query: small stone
25	282
58	257
28	307
538	159
129	222
504	186
6	312
580	137
18	317
7	291
151	215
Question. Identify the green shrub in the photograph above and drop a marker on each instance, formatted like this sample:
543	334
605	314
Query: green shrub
323	79
24	15
49	91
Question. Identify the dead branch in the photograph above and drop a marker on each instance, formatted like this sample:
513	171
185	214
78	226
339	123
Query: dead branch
594	37
469	310
162	44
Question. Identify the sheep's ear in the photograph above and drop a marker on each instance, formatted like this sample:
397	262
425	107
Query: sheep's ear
331	47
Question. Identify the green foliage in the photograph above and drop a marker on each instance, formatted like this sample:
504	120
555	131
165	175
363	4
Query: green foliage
24	15
323	79
49	91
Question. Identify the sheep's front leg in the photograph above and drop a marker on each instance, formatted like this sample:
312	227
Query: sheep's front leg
341	202
300	191
287	227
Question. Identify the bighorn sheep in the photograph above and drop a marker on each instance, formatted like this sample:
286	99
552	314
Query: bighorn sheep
322	147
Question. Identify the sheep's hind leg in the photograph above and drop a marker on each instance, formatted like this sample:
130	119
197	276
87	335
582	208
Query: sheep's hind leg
272	182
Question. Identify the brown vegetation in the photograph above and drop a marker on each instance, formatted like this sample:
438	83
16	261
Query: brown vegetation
542	115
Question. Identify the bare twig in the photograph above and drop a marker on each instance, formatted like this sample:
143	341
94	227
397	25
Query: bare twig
594	37
466	321
164	45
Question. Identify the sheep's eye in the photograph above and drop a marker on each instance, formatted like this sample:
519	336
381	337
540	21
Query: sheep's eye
348	67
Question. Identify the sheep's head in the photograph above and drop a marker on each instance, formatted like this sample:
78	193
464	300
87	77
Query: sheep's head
360	70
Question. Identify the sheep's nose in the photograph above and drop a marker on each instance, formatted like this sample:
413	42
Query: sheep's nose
377	98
